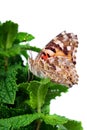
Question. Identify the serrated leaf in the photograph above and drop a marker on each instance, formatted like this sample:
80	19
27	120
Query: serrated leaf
54	91
38	91
48	127
23	36
44	88
54	120
8	87
28	47
8	31
59	87
73	125
23	85
18	121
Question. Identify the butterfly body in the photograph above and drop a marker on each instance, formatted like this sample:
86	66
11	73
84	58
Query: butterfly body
57	60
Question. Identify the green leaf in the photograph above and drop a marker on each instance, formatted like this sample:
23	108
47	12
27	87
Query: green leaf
28	96
8	32
73	125
48	127
45	81
54	91
25	54
62	123
43	91
61	127
23	37
8	87
18	121
14	50
3	53
32	48
4	111
38	91
54	120
23	85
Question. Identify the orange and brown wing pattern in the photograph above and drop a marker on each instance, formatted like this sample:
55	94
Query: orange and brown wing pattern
64	44
57	60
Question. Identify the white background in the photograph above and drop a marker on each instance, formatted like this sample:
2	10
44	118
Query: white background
45	19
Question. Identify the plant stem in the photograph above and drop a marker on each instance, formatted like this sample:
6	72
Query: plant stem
6	63
39	111
38	125
39	121
38	108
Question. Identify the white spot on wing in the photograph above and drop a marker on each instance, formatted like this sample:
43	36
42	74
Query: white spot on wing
65	37
68	48
59	43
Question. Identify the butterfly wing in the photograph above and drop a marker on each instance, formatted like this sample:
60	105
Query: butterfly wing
57	60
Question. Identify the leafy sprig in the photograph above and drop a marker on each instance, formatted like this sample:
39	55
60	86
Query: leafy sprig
25	104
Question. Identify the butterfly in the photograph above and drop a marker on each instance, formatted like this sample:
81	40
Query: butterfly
57	60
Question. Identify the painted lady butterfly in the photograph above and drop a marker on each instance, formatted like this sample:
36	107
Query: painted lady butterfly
57	60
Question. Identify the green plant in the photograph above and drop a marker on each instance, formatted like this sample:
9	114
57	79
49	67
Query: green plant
24	105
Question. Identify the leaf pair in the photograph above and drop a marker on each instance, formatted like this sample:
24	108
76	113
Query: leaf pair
54	122
43	91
